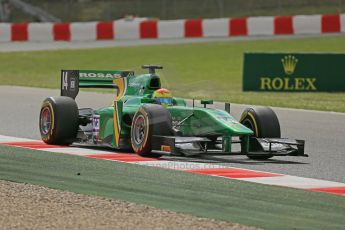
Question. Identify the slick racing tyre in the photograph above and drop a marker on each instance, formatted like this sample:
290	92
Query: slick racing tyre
264	123
58	122
149	120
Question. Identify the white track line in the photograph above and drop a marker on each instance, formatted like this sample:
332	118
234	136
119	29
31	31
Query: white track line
295	182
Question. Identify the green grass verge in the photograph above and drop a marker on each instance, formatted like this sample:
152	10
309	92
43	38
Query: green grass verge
207	70
250	204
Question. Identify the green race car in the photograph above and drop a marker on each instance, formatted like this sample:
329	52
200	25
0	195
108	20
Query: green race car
146	119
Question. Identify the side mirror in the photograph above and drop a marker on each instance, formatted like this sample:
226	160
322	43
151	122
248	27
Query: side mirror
227	107
206	102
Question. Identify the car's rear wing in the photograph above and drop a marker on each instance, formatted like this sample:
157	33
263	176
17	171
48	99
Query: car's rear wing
72	80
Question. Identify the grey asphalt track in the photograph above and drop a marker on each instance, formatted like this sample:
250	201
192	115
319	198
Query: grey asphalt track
324	132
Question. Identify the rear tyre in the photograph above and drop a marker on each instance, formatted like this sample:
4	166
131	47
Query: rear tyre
149	120
58	122
264	123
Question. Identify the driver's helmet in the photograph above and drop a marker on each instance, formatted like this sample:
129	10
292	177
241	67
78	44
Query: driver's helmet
163	97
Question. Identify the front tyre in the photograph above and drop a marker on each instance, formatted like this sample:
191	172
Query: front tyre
264	123
149	120
58	121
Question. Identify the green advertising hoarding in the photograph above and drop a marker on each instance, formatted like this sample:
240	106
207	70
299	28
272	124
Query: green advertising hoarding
294	72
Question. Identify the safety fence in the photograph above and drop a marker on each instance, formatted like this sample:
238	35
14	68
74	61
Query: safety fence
109	10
